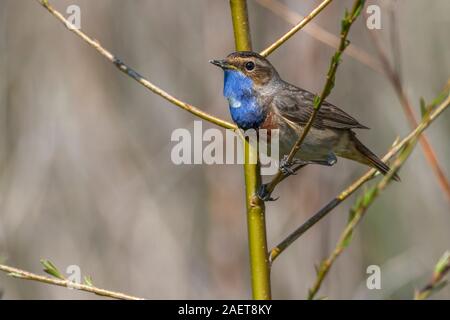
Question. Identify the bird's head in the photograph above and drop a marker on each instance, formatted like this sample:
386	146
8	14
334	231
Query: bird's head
250	65
248	79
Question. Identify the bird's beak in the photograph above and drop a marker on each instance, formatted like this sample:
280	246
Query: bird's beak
221	63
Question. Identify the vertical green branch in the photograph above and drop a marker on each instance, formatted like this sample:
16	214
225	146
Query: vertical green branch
259	260
241	27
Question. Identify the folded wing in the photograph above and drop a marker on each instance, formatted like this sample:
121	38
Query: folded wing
296	105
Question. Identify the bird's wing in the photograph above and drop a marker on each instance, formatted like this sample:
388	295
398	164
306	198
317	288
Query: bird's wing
296	105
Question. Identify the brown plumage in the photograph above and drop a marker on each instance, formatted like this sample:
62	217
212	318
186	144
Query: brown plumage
288	108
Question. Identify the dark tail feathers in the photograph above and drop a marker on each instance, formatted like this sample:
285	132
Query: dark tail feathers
371	158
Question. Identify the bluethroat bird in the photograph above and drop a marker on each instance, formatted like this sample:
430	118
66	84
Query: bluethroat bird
259	99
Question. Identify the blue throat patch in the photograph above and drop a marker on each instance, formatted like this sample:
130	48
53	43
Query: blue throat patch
244	109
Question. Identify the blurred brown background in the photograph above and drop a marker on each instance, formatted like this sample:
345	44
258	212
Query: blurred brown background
85	170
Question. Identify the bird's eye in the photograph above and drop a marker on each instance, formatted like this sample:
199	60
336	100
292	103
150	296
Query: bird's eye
250	66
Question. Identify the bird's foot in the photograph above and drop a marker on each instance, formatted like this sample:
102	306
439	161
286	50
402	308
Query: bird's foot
288	168
264	194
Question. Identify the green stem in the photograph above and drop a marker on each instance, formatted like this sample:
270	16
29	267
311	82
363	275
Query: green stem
346	23
437	281
369	197
241	26
259	259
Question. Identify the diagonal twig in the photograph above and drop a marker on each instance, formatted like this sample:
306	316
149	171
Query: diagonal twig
293	236
394	78
320	33
347	22
135	75
369	197
296	28
357	215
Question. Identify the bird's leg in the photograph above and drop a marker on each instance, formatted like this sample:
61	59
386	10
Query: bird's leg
264	194
290	168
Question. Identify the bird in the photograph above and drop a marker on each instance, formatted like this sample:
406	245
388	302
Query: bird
259	98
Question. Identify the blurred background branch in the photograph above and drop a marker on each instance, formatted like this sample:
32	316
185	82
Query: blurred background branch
292	237
317	32
393	75
295	29
367	199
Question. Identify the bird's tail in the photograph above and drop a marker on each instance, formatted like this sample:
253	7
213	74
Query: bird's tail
364	155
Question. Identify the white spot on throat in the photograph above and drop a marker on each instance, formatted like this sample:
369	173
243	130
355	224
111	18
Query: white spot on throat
234	103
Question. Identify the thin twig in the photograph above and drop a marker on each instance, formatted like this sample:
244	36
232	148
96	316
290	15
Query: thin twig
384	67
135	75
394	78
395	40
346	24
368	198
292	237
358	214
21	274
437	281
319	33
295	29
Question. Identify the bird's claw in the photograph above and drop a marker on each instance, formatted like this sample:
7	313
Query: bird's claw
287	171
287	167
264	195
